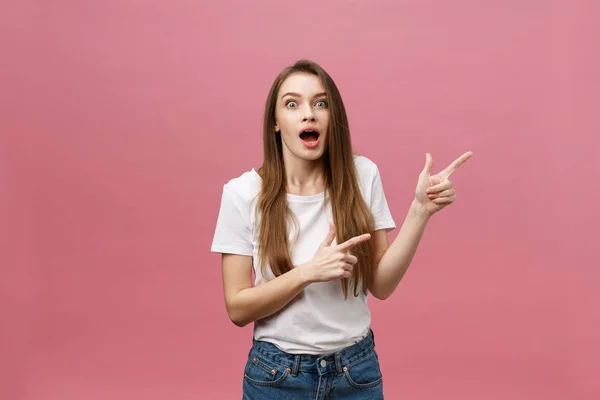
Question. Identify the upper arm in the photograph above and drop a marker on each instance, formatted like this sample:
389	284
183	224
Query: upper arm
233	239
237	276
379	241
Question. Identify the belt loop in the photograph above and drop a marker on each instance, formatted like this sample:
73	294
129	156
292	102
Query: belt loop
338	364
296	365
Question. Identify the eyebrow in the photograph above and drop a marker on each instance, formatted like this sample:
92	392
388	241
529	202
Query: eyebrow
298	95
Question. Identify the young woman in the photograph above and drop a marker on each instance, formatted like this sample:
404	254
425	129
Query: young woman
312	224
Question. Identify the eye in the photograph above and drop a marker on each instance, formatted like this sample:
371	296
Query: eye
321	103
291	104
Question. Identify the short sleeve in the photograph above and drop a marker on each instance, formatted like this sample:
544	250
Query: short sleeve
378	204
233	233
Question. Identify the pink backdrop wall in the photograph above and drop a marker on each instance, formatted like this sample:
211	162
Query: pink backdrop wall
121	120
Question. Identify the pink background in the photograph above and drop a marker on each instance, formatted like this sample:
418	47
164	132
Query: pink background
121	120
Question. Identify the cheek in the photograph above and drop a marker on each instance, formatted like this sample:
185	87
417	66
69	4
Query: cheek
283	121
325	120
286	132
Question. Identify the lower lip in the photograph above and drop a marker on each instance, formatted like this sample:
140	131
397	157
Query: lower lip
311	145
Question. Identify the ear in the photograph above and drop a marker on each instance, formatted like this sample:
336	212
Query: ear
276	127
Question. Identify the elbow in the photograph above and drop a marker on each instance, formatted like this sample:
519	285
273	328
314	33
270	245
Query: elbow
380	294
238	321
237	317
238	311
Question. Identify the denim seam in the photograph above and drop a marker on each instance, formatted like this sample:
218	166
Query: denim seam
362	385
265	383
268	364
361	359
361	356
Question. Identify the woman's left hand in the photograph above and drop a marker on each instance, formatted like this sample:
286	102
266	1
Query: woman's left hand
435	192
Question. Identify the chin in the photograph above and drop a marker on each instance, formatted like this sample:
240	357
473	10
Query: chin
312	155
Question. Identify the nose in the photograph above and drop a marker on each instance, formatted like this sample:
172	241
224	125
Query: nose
308	113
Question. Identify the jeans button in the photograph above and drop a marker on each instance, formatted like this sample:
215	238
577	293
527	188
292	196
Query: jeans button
323	363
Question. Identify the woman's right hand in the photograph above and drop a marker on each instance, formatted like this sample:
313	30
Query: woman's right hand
333	262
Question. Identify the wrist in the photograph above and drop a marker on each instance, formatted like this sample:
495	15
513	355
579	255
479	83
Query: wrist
305	274
418	211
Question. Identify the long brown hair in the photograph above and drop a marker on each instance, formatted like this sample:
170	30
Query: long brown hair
351	215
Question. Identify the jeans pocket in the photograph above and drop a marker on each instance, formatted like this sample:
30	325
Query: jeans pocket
364	373
262	372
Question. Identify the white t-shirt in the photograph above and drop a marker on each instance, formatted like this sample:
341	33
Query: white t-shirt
319	320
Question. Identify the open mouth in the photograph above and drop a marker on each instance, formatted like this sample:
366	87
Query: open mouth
309	136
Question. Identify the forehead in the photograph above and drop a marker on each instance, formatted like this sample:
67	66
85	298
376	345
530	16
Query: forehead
303	83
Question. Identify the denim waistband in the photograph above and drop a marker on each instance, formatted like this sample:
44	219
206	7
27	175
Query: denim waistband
314	363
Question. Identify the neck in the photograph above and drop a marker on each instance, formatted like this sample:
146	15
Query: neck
304	177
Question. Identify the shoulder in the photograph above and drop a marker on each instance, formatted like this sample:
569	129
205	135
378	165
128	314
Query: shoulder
365	167
363	162
243	188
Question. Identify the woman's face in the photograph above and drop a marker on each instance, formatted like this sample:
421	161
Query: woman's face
302	116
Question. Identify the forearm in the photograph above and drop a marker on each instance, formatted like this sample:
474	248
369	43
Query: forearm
397	258
258	302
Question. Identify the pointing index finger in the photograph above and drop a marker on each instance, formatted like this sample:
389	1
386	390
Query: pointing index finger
350	243
456	164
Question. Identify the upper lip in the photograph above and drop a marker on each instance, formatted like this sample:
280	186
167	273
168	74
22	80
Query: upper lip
309	129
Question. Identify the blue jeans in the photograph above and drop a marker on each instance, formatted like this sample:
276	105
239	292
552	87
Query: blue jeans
352	373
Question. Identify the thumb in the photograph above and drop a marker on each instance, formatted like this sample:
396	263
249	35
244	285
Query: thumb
330	236
428	164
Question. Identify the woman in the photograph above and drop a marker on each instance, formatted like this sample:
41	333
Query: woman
312	223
